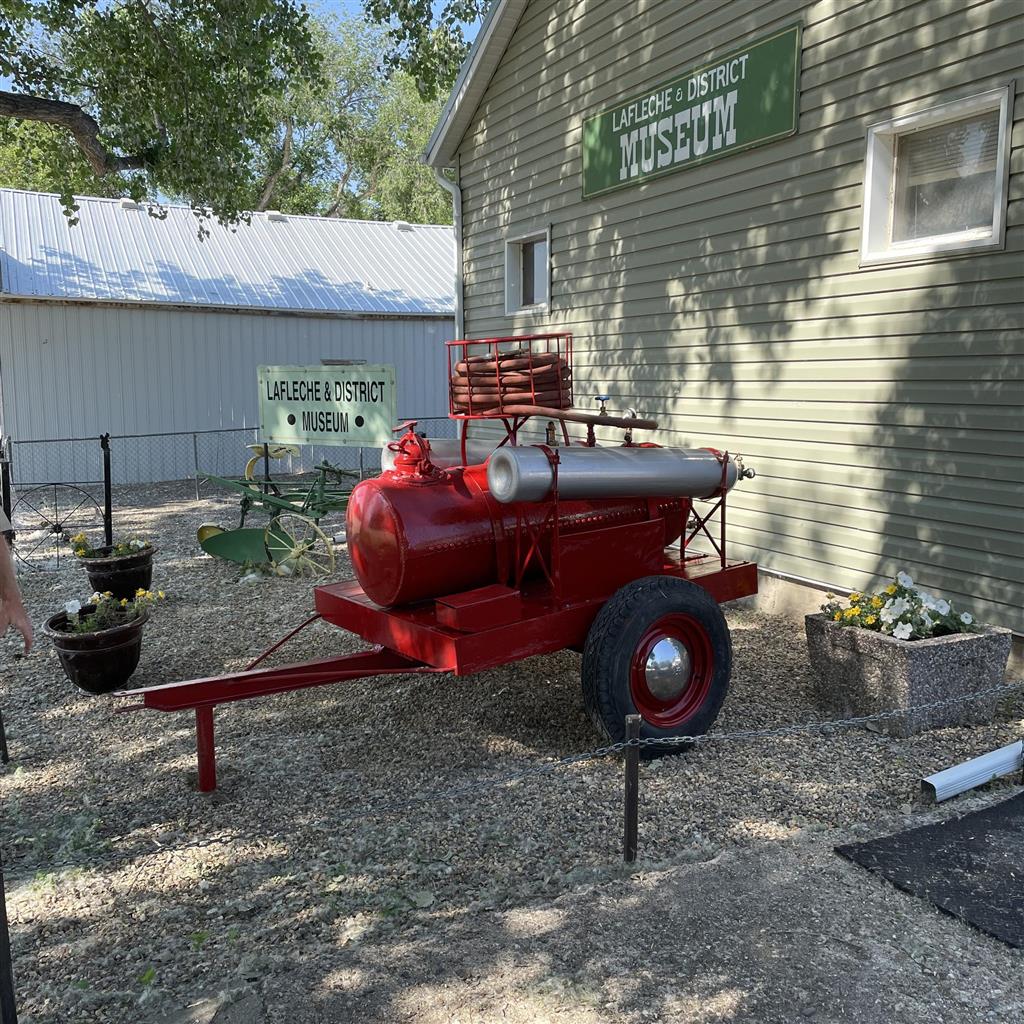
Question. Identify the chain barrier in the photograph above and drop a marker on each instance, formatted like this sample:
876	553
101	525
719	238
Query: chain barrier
480	786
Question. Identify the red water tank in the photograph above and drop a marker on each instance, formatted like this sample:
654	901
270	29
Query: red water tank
414	536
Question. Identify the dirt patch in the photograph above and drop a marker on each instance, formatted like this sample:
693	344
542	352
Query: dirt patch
513	906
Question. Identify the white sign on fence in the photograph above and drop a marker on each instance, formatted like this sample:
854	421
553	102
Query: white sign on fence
329	405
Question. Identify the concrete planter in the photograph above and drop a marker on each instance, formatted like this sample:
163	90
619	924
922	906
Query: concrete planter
858	672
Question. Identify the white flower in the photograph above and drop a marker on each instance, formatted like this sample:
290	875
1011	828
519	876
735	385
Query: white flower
902	631
138	544
892	610
966	618
73	607
928	600
926	620
942	607
904	580
95	597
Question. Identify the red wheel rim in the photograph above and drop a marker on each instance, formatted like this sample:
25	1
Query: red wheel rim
670	672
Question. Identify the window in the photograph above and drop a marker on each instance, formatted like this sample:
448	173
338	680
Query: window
527	273
935	181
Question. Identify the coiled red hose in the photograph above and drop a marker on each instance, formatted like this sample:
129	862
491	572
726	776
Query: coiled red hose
484	384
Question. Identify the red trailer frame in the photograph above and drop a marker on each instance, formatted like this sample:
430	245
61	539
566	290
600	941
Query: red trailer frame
545	604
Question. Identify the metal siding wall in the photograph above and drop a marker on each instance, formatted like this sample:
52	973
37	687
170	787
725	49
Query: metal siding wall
881	407
78	371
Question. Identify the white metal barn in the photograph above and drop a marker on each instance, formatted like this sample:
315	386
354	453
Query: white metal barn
129	324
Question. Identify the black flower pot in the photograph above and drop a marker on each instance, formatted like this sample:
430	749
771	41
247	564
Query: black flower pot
97	662
123	575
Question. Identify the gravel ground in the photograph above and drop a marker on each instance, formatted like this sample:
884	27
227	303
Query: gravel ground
510	907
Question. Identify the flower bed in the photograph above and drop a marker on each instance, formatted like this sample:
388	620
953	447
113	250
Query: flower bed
900	648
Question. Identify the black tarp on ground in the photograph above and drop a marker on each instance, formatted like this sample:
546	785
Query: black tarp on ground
971	867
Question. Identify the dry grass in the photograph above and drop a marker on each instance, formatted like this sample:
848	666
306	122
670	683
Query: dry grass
319	910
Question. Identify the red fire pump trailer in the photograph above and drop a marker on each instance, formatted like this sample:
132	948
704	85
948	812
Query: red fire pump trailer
466	560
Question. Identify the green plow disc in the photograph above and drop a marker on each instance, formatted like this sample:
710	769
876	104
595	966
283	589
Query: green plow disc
241	546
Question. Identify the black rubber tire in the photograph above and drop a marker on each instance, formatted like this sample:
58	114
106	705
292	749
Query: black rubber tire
613	637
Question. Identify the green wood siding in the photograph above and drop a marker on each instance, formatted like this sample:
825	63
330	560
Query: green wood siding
881	406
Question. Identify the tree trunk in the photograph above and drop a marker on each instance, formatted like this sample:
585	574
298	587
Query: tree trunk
286	162
81	125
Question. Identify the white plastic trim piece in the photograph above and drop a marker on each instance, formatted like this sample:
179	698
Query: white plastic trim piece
976	772
455	191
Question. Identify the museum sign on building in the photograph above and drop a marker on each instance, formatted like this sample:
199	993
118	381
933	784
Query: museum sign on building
792	229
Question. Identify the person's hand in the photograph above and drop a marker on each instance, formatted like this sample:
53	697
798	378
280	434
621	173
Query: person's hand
12	613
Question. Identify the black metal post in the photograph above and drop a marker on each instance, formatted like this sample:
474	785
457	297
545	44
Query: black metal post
195	460
632	791
108	500
5	484
8	1010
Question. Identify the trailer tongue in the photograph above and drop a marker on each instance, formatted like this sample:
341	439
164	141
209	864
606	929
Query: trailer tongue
462	569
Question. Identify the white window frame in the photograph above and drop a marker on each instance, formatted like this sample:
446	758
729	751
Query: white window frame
876	245
513	271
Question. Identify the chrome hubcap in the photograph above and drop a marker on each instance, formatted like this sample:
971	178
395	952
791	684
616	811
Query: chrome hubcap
668	668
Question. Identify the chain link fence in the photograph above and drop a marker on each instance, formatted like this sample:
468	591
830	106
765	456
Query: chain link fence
177	455
53	488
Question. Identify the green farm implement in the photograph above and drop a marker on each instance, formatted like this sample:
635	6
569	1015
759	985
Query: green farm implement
292	541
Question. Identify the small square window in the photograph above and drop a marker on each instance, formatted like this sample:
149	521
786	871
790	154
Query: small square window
527	273
935	181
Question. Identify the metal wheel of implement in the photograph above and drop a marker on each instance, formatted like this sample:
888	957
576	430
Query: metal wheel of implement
298	547
659	648
45	518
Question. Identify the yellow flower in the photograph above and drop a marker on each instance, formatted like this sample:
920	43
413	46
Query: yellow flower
837	616
891	589
851	612
160	594
876	602
870	620
141	592
854	597
124	602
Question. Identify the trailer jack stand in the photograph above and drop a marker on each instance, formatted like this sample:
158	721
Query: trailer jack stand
205	750
203	695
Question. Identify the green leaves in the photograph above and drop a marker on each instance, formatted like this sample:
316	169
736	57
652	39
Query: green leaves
229	105
430	49
179	90
349	145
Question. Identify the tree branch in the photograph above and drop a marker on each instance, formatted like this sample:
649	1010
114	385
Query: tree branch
81	125
286	162
339	193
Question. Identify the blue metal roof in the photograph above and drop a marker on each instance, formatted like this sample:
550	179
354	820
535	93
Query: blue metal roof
118	252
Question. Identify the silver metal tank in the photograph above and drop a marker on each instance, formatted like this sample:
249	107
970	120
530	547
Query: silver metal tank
525	474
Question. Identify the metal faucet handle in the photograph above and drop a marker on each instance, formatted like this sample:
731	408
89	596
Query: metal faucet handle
602	399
